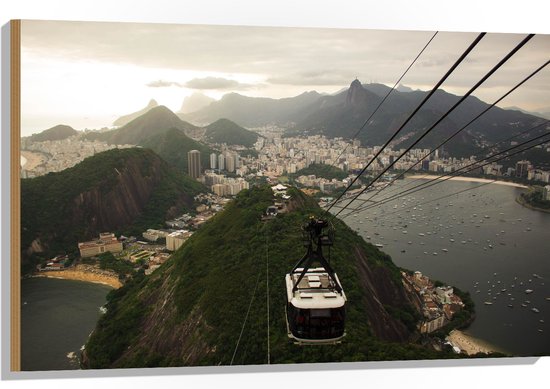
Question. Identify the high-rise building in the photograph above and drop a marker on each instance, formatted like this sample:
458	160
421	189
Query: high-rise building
194	163
213	160
221	162
230	162
521	168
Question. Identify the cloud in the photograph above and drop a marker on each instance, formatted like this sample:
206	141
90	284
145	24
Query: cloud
216	83
163	84
313	78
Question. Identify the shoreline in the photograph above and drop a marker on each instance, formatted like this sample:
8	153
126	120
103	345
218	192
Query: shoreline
469	344
82	275
469	179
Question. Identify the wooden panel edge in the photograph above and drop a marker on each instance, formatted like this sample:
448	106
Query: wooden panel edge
15	192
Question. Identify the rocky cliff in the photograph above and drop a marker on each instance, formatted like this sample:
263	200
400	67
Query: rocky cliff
118	190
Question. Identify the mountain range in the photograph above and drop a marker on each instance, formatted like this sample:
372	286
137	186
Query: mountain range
343	114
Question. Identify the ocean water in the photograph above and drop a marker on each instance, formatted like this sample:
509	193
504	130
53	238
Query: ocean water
57	316
480	241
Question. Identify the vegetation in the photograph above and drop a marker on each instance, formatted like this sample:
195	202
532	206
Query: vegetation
534	199
220	271
173	146
58	132
49	213
107	261
321	171
226	131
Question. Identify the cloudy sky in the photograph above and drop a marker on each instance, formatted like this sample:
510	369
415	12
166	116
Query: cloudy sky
86	74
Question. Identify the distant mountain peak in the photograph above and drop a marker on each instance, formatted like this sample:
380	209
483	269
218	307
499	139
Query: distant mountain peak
195	102
121	121
356	95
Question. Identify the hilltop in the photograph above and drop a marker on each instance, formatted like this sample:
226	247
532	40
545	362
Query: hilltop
153	122
123	120
226	131
122	190
58	132
190	311
173	146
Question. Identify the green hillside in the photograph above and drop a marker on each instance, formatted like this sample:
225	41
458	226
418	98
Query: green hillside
58	132
173	146
226	131
155	121
322	170
191	310
122	190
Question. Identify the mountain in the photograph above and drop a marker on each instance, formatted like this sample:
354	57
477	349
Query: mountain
155	121
544	113
173	145
252	111
120	190
121	121
190	311
344	114
58	132
226	131
195	102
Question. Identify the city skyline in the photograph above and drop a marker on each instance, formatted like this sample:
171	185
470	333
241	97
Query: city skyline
101	71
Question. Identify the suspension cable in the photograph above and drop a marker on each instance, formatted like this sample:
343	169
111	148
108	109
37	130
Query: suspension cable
519	134
385	97
483	79
463	127
434	89
245	319
440	179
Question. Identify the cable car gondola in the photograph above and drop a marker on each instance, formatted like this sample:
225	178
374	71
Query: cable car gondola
316	302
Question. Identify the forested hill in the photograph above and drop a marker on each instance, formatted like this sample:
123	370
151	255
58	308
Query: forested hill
226	131
190	311
120	190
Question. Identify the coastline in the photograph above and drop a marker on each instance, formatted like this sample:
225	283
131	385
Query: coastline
521	201
83	274
469	344
469	179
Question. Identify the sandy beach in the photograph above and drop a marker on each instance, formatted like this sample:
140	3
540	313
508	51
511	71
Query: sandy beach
469	344
468	179
31	160
83	275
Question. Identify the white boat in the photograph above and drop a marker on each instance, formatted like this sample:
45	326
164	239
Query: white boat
444	250
527	291
535	310
488	303
379	245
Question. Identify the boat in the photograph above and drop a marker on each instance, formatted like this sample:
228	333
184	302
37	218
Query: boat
535	310
379	245
488	303
527	291
510	305
445	250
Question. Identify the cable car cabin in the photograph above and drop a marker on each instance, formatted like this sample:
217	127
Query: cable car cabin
315	309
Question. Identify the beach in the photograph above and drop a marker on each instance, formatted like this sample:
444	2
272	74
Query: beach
469	344
467	179
84	273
